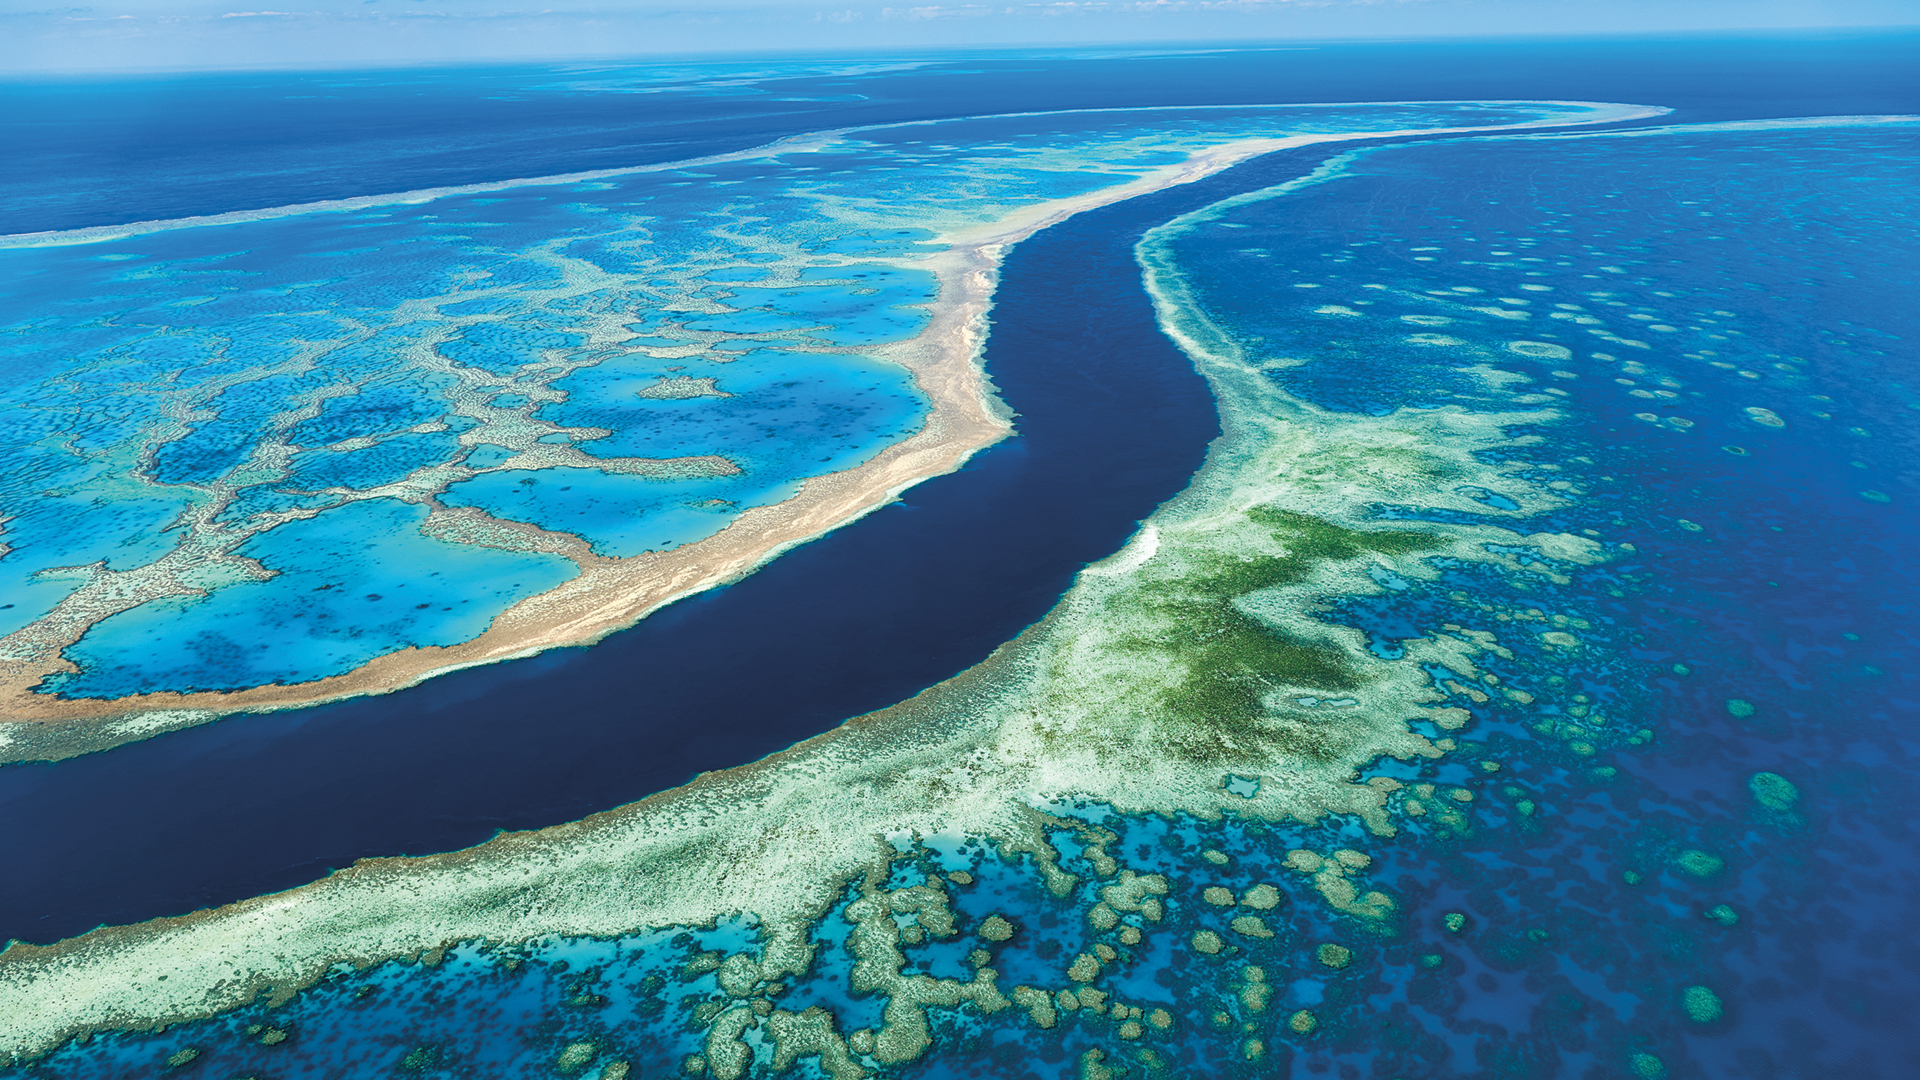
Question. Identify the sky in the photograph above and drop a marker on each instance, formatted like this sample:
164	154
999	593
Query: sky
106	35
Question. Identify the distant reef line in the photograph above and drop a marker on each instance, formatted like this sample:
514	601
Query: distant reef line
807	141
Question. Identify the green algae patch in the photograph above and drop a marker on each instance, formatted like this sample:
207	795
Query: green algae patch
1037	1003
1646	1066
1092	1067
1252	926
1331	878
1233	660
575	1057
1085	969
1310	539
809	1034
880	968
1254	989
1773	791
1701	1005
1699	863
727	1055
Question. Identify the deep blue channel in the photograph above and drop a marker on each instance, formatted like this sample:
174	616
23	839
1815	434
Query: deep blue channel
1113	420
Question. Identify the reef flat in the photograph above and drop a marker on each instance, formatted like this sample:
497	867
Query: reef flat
521	382
1191	674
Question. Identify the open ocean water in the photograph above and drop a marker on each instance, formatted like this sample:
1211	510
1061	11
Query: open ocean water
1689	851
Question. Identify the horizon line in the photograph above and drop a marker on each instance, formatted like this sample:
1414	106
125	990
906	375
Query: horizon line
1809	32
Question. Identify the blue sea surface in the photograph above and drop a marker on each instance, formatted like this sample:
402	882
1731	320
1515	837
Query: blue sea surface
1714	319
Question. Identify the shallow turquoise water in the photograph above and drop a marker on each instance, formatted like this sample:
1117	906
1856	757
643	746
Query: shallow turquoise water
183	396
381	586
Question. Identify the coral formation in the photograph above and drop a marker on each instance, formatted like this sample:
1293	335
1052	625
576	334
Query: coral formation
1201	672
1701	1004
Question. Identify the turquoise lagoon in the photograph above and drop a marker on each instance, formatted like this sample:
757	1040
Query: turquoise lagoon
208	412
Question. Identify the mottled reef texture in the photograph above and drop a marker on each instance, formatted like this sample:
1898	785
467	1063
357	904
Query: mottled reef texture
1186	674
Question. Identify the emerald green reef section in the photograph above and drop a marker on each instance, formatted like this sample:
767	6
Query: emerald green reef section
1233	659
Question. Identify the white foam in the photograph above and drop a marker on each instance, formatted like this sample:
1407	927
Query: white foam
1141	548
155	722
1785	123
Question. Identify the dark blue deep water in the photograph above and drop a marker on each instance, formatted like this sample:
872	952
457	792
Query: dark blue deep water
96	152
1785	588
